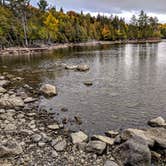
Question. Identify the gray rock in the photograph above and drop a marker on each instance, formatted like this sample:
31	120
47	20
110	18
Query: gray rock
36	137
82	67
10	148
29	100
110	163
2	90
105	139
111	133
41	144
60	146
97	147
157	122
4	83
133	152
48	90
54	154
11	102
53	126
79	137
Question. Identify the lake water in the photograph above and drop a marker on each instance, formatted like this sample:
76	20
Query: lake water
129	83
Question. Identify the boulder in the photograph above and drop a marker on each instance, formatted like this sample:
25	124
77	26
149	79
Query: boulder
105	139
83	68
157	122
79	137
10	148
48	90
97	147
133	152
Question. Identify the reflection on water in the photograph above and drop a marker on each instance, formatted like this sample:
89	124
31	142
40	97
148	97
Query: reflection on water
128	83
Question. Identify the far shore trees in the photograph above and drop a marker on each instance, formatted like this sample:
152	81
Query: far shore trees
22	24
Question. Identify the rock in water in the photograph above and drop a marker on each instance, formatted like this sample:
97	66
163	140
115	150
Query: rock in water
79	137
157	122
48	90
134	152
83	67
97	147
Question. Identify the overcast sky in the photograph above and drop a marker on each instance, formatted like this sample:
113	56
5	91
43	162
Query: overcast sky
123	8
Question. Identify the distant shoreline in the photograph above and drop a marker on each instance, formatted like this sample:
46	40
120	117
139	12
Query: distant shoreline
47	48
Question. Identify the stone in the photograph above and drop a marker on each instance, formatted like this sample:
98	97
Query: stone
11	102
53	126
2	77
71	67
36	137
157	122
155	155
48	90
83	67
110	163
97	147
10	127
4	83
88	83
60	146
29	100
2	90
41	144
111	133
64	109
54	154
105	139
10	148
134	151
79	137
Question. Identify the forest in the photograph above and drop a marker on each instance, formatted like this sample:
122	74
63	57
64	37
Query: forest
22	24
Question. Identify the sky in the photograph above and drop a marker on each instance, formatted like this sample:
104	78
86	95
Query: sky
122	8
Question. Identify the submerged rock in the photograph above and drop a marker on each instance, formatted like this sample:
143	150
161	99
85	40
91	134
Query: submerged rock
48	90
79	137
97	147
82	67
133	152
157	122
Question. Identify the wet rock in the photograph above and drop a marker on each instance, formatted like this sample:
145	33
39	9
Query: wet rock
48	90
157	122
53	126
88	83
110	163
60	146
10	148
29	100
83	68
111	133
4	83
11	102
71	67
105	139
97	147
133	152
79	137
2	90
36	137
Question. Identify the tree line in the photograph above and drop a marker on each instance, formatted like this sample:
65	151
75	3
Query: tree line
22	24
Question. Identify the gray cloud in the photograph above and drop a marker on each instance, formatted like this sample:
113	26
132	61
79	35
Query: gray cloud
112	6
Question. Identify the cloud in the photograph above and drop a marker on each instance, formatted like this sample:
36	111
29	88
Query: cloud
120	7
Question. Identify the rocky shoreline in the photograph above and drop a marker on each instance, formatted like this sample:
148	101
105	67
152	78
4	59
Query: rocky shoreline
48	48
30	136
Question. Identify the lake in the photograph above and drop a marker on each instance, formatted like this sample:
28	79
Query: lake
129	83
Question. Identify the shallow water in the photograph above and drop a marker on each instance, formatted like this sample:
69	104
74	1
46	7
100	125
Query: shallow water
129	83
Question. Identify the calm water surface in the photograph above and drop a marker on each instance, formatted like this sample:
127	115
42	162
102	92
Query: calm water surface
129	83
